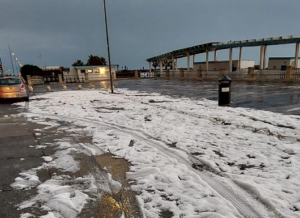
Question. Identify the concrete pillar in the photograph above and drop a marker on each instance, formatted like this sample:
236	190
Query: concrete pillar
173	65
150	67
160	66
216	53
188	62
261	57
296	55
176	64
289	73
240	58
181	74
199	73
167	73
250	73
136	74
194	59
264	57
60	80
28	79
230	60
207	56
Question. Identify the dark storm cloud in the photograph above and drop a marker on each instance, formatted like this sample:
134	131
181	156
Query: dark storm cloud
66	30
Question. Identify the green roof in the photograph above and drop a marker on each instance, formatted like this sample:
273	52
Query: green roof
283	58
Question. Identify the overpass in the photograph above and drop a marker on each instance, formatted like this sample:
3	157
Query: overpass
215	46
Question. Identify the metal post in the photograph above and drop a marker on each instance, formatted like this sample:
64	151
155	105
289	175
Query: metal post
149	67
108	51
11	59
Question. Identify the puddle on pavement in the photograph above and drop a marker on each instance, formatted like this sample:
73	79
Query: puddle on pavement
123	200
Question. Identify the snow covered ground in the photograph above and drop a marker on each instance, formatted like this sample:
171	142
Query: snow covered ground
189	157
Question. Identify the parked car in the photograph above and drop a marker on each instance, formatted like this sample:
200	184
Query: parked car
13	87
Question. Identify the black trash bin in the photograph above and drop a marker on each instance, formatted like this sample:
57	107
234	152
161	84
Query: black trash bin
224	91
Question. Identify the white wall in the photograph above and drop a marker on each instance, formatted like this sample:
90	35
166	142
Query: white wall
71	73
223	65
277	63
246	64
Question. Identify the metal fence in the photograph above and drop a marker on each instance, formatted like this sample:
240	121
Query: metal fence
37	80
210	74
240	74
49	79
269	74
296	74
73	79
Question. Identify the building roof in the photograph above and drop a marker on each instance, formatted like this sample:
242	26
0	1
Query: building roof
93	67
212	46
283	58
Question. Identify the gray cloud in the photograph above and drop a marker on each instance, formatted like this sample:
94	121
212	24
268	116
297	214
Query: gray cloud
67	30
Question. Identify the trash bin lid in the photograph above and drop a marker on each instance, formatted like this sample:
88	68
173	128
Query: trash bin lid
225	78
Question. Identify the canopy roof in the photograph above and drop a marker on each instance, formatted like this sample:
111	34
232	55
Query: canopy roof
212	46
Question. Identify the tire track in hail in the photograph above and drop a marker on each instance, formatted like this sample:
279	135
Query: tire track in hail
239	203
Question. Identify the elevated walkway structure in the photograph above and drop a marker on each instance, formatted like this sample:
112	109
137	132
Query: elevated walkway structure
215	46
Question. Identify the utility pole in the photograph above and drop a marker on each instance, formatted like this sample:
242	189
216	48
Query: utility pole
1	68
12	66
111	79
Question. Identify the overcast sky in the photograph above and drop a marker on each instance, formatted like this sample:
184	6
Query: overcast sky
66	30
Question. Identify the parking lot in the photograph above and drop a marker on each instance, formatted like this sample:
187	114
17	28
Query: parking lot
276	97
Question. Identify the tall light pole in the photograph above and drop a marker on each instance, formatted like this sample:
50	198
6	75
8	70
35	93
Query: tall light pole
11	59
111	79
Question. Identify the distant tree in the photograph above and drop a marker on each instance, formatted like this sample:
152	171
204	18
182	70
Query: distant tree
78	63
95	60
155	64
29	69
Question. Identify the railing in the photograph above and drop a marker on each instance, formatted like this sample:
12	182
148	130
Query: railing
269	74
48	79
37	80
175	74
240	74
210	74
296	74
190	74
74	79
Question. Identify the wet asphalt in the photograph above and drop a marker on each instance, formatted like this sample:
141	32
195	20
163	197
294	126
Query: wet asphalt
278	97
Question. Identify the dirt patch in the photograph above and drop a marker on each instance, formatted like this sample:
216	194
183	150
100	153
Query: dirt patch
123	200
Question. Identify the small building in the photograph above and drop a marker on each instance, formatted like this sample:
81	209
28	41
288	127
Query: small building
91	73
217	65
282	62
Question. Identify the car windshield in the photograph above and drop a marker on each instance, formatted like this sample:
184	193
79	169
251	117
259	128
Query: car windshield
10	81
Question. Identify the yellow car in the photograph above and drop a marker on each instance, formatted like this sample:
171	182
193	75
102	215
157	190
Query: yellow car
13	87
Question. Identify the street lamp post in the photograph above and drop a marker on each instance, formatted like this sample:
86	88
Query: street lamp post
108	51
